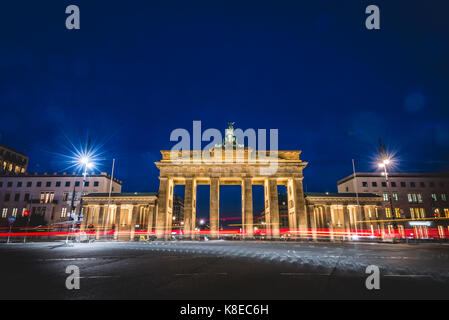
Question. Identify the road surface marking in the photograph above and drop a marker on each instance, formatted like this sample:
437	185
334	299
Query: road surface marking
66	259
303	274
408	275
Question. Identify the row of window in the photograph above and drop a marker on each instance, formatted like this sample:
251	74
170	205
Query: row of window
48	184
35	211
12	167
414	197
45	197
417	213
402	184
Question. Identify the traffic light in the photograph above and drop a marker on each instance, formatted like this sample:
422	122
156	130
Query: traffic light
26	213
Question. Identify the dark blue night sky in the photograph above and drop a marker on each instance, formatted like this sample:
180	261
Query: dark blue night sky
139	69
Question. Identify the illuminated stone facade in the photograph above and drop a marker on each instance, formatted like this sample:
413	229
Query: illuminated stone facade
119	216
244	171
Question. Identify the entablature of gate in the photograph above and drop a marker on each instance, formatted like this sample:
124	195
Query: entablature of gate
120	199
343	199
286	166
236	155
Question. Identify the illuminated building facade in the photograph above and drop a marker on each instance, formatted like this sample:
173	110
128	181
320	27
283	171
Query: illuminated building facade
334	216
120	216
49	196
409	200
11	161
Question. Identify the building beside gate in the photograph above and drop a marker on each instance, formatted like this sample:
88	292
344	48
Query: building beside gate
119	216
417	201
49	196
333	215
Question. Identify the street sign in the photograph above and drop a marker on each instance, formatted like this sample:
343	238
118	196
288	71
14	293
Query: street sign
11	219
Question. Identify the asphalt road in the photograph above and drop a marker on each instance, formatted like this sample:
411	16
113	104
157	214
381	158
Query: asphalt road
223	270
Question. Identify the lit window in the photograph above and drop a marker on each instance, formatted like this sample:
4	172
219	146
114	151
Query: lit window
412	213
369	213
419	197
443	197
47	197
446	212
423	212
385	196
395	197
63	212
397	212
388	212
14	212
434	196
4	212
409	197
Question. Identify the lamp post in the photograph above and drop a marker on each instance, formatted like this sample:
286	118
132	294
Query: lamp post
384	164
85	163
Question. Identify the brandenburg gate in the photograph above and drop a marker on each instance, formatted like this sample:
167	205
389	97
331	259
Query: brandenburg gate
236	166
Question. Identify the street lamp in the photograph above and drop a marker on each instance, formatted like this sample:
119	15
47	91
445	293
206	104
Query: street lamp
86	163
384	163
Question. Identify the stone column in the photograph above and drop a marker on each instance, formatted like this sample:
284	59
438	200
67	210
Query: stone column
328	223
96	221
338	218
118	214
296	206
267	211
272	206
135	212
193	225
247	208
214	207
107	218
85	218
150	218
313	216
347	222
165	203
189	220
360	225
